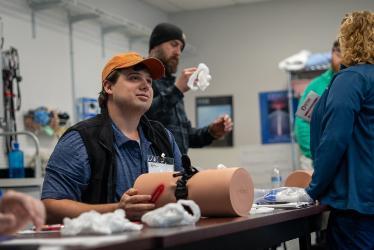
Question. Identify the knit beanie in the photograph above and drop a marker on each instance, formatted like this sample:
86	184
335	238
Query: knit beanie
164	32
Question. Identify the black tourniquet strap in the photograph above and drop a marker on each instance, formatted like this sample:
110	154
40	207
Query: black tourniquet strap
181	191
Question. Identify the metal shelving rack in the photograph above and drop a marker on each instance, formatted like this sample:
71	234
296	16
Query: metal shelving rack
79	11
311	73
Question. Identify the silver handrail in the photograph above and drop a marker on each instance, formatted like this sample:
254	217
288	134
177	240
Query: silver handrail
38	168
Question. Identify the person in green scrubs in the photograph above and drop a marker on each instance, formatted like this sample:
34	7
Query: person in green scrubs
318	85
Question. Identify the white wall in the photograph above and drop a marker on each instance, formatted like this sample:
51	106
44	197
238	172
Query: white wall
45	61
242	46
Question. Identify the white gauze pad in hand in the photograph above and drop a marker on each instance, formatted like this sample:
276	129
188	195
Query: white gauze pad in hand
200	78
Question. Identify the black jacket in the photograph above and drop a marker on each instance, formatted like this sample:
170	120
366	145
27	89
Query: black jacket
97	136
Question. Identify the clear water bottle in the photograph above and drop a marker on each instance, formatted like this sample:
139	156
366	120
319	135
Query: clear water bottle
276	178
16	163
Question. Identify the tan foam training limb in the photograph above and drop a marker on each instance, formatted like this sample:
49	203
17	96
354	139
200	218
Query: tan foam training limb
218	192
299	178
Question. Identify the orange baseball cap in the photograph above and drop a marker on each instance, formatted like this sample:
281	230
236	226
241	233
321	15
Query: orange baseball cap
130	59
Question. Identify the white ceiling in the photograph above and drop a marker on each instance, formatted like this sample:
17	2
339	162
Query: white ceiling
172	6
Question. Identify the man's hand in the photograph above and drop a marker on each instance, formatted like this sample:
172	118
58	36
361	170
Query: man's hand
135	205
17	210
220	127
182	81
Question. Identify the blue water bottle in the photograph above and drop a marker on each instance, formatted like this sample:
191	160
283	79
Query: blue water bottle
16	163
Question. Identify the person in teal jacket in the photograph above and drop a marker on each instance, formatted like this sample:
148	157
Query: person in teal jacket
318	85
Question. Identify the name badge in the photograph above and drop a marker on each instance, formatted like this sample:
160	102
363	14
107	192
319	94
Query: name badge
305	110
159	164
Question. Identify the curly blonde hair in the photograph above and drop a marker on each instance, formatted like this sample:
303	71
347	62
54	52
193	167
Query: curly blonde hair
356	38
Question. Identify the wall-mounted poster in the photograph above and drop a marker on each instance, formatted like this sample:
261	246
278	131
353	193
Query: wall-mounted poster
208	109
275	120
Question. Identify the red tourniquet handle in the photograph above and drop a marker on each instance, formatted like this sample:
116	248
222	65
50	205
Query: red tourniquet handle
157	193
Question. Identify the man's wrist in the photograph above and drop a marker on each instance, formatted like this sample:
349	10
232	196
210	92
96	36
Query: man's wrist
178	88
210	132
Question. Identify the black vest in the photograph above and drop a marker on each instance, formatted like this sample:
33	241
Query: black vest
97	135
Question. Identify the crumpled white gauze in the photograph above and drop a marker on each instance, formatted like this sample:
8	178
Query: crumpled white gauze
95	223
200	78
220	166
173	214
288	194
295	62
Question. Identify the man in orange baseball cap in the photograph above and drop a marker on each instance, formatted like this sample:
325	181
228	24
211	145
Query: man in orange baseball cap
96	162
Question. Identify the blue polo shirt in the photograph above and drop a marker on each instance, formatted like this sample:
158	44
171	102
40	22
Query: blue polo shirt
68	171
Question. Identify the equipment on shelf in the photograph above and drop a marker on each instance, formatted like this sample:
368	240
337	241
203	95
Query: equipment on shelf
11	93
10	102
42	119
87	108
